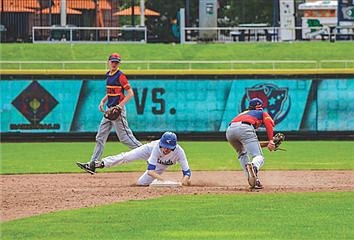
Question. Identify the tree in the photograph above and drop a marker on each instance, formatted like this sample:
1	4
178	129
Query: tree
161	28
230	14
246	11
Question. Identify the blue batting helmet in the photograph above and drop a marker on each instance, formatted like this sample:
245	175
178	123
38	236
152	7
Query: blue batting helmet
255	102
168	140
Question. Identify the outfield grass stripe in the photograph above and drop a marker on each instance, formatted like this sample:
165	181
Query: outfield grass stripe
327	215
61	157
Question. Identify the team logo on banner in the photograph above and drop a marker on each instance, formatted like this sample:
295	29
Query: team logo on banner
34	103
345	11
276	100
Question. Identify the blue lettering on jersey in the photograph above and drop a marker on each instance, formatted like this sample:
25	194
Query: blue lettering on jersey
168	162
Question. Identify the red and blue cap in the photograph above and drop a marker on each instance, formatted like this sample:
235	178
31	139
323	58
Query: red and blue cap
114	57
255	103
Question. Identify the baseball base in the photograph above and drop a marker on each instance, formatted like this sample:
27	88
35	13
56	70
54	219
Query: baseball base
166	183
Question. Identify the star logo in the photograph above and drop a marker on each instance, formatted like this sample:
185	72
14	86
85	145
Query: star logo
276	100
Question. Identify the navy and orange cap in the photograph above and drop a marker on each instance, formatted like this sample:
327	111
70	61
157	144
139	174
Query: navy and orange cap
114	57
255	103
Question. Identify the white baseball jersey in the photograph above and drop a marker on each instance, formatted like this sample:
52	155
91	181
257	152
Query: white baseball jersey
157	158
152	153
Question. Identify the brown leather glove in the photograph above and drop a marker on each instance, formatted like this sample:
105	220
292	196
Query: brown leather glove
113	113
278	140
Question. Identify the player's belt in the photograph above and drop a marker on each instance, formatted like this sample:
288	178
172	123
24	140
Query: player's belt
247	123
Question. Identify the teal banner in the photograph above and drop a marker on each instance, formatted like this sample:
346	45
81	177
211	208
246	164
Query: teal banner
335	108
38	106
182	105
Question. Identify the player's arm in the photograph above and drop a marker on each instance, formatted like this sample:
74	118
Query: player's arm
269	125
152	162
101	106
186	179
129	91
127	97
154	174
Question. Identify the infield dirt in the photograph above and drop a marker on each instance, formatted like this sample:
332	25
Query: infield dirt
28	195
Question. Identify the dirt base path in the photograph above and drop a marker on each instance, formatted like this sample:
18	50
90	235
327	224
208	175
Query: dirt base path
28	195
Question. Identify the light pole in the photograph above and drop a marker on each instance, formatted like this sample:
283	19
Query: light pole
187	13
275	9
132	17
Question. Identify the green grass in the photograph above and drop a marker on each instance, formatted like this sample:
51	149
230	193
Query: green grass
212	52
241	216
61	157
328	215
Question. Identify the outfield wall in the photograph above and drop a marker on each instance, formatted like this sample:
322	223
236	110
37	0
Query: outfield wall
184	104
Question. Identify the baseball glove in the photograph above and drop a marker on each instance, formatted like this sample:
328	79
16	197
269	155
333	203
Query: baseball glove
278	140
113	113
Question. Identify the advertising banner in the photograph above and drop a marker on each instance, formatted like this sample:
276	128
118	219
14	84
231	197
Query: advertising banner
345	11
183	105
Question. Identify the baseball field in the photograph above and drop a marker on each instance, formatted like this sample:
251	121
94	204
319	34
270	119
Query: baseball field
308	189
308	194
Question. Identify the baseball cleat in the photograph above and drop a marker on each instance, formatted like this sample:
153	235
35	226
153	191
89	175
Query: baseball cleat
255	169
251	175
88	167
99	164
258	184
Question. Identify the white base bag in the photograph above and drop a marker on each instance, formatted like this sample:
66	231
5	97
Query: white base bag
166	183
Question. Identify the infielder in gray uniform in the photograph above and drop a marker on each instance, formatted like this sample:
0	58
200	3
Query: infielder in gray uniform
116	84
241	134
159	154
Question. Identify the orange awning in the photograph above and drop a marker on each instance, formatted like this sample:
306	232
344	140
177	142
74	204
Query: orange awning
17	9
88	4
128	12
18	6
56	10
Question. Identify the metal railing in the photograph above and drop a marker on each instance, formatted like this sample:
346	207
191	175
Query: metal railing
231	34
244	33
183	65
335	63
67	34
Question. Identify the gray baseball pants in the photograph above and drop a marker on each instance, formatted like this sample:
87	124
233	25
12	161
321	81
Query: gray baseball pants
244	140
123	132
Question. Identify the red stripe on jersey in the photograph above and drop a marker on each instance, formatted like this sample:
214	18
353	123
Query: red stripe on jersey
114	90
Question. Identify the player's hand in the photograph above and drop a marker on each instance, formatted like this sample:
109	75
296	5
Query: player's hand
271	145
101	107
186	181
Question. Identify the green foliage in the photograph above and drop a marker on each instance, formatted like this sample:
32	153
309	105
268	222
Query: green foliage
61	157
237	216
239	12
